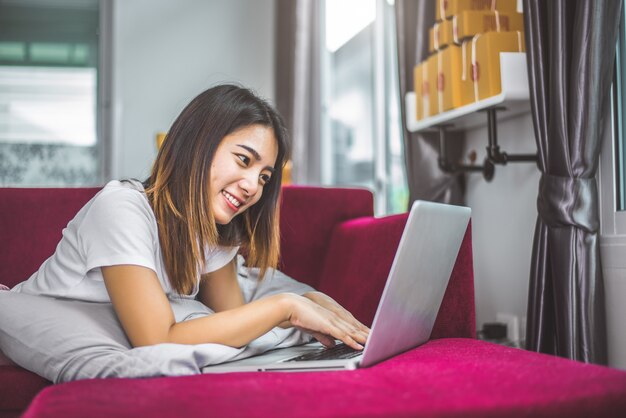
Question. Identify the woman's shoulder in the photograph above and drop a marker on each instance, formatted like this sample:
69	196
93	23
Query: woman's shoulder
119	208
125	187
123	191
118	197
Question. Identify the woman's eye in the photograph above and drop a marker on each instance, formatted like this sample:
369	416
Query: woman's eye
265	179
245	160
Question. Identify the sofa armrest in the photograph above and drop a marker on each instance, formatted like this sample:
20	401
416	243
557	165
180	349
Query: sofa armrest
359	258
457	314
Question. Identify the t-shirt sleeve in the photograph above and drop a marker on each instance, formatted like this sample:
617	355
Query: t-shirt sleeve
119	228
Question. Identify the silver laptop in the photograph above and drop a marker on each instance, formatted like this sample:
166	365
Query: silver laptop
408	306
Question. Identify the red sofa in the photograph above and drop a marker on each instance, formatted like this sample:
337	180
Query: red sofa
331	241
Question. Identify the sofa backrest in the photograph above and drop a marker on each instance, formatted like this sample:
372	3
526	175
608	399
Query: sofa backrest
360	254
31	221
307	220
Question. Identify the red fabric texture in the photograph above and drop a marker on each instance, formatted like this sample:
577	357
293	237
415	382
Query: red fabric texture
443	378
31	221
17	388
307	219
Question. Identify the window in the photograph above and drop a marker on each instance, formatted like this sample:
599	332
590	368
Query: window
619	109
50	120
362	132
612	171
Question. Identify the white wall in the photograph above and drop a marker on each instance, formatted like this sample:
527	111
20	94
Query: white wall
615	290
166	52
504	212
613	251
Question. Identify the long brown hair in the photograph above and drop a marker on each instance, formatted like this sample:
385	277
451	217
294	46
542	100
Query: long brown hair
178	188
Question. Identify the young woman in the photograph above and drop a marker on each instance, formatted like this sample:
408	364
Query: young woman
213	190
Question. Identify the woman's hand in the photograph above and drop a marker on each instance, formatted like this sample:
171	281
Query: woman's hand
330	304
326	324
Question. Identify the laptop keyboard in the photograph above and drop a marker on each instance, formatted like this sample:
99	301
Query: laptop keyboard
338	352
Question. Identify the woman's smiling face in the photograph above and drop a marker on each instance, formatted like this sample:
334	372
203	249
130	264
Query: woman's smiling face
243	164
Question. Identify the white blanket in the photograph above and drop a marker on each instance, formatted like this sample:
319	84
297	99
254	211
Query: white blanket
65	340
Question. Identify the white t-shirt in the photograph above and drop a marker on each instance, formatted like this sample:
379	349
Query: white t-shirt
116	227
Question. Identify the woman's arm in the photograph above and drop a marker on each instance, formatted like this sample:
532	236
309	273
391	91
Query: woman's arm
219	290
147	318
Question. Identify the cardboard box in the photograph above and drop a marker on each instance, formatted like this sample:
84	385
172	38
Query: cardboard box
422	90
449	66
467	86
449	8
480	76
430	102
417	85
469	23
440	36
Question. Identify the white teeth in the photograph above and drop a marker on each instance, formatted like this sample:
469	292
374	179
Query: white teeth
231	199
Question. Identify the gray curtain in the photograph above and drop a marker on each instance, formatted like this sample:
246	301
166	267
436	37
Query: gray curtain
570	50
297	83
426	181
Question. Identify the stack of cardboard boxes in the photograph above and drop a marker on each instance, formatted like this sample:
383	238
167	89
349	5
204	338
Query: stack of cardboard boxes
465	45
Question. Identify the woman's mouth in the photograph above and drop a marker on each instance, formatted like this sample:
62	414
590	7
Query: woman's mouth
231	201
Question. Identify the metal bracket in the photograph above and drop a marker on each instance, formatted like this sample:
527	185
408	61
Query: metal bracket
494	155
493	150
487	168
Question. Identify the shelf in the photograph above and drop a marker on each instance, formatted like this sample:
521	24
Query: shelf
514	98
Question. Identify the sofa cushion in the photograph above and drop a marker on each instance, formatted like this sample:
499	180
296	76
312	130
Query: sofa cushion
443	378
358	262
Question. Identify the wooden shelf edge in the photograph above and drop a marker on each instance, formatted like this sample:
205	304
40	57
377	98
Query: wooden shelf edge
514	82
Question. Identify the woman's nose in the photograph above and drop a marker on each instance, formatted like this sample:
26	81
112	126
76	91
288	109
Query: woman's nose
249	184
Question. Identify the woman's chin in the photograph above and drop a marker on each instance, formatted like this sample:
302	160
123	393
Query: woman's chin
223	220
222	214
